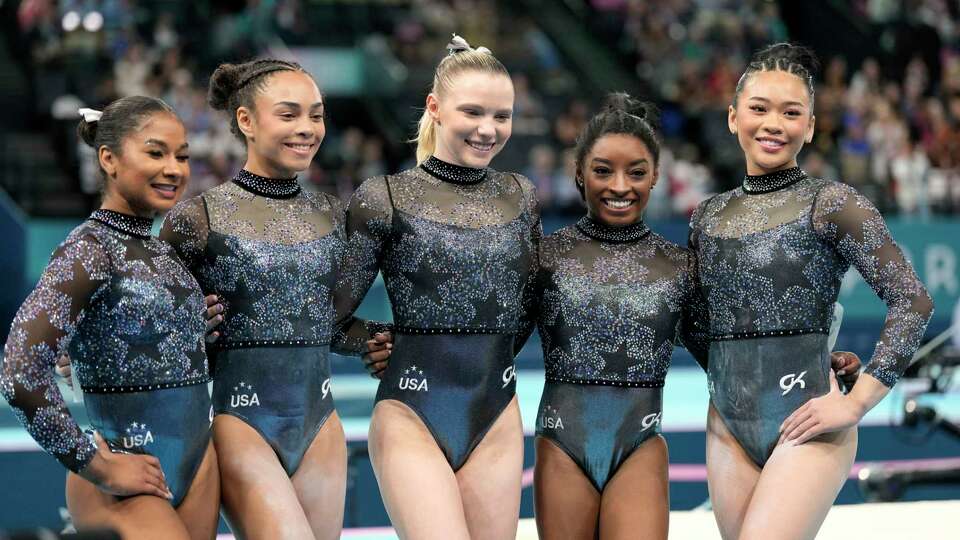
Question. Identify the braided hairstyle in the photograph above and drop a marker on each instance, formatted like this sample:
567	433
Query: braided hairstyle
620	114
236	85
796	59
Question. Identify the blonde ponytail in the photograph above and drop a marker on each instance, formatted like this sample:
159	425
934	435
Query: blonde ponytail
426	137
460	57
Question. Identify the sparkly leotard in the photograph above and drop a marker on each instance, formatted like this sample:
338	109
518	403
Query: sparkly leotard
612	303
771	257
272	253
457	248
131	317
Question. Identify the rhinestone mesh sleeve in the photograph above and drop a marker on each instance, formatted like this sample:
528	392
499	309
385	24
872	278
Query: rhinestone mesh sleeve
852	225
41	332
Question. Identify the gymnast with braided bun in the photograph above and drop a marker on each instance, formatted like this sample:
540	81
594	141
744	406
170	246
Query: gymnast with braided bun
781	435
273	253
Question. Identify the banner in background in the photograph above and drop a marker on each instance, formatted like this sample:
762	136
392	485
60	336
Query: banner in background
934	250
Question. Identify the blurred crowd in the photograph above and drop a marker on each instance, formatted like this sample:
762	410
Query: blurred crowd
893	133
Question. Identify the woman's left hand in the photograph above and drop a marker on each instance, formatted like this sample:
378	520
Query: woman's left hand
847	365
214	316
831	412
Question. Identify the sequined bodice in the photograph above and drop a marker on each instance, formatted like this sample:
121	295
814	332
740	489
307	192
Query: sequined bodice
765	244
454	256
130	315
145	324
610	309
772	255
271	254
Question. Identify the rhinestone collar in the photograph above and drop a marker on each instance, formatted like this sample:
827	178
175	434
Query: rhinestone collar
273	188
616	235
455	174
765	183
132	225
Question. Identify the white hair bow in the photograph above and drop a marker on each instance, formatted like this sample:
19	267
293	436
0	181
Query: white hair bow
457	44
90	115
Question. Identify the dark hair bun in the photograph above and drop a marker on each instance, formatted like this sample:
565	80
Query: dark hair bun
625	103
789	53
223	84
87	131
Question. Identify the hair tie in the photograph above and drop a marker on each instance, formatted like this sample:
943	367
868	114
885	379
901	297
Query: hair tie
90	115
458	44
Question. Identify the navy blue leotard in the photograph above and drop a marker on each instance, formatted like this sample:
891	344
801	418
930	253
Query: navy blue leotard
457	248
612	303
771	257
272	253
132	319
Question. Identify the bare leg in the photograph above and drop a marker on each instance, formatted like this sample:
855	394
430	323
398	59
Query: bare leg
490	479
731	476
566	503
321	480
419	489
798	486
146	516
200	509
142	516
258	497
636	501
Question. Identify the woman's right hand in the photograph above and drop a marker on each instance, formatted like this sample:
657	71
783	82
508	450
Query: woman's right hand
125	475
378	353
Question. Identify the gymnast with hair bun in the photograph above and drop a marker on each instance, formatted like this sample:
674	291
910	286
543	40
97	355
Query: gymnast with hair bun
273	252
132	318
781	436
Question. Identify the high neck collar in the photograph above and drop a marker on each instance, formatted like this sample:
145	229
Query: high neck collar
273	188
455	174
608	233
765	183
127	224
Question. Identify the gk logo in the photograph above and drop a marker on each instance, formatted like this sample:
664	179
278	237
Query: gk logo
509	374
650	420
325	388
788	381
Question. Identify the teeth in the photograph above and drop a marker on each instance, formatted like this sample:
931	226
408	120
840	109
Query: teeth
481	147
165	187
618	203
300	146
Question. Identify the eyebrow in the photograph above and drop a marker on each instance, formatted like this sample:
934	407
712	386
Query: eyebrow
481	107
163	145
296	106
634	162
765	100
